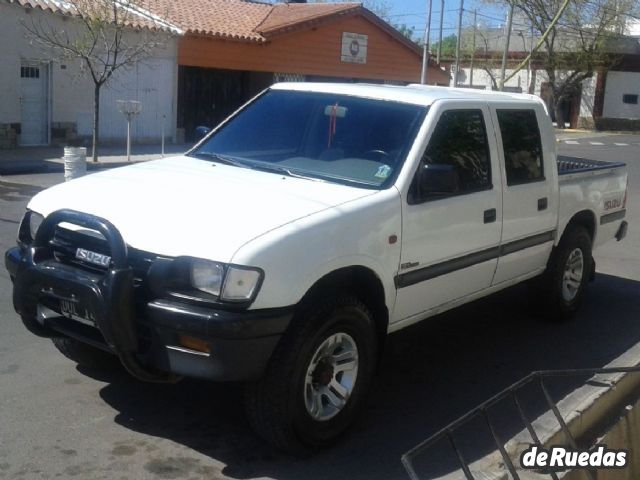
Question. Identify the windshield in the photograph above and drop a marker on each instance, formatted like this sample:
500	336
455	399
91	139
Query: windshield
319	136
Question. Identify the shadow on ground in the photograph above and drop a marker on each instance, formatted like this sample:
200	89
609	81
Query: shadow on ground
431	374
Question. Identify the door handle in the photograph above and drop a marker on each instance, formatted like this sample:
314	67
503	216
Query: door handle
490	215
542	204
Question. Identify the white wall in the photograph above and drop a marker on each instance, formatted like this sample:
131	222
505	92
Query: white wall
482	78
587	99
150	82
618	84
71	93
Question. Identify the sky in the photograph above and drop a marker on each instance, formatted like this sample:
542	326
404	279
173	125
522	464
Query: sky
413	14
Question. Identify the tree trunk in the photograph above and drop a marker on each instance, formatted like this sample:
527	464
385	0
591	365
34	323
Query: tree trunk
557	108
96	120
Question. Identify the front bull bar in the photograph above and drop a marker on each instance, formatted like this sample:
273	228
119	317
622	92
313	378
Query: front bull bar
109	298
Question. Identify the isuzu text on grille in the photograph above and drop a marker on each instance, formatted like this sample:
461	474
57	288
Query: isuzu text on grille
93	257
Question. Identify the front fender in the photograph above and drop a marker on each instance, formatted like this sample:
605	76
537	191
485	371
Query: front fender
365	232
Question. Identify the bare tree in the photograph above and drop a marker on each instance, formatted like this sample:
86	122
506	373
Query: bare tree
485	56
581	43
107	36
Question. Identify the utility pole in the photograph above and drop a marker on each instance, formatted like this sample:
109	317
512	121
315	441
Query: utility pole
473	47
425	50
440	37
506	48
455	74
530	77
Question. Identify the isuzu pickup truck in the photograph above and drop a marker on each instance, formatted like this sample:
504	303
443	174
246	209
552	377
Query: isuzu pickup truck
283	248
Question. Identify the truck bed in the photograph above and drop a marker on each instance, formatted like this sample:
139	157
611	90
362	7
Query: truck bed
571	165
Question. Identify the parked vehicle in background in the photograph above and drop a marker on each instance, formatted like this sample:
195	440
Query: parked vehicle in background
284	247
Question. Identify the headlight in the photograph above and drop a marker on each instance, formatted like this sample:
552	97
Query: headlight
229	283
240	284
35	220
207	276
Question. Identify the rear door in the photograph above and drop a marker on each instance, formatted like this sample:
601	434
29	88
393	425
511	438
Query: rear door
450	243
530	184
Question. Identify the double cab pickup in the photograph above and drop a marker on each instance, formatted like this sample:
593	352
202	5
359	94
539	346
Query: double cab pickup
284	247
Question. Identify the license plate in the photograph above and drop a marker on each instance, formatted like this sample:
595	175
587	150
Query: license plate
73	310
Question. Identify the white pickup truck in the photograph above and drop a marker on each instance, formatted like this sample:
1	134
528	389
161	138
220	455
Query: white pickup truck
284	247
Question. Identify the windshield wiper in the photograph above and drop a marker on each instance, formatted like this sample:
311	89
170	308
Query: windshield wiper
287	171
217	157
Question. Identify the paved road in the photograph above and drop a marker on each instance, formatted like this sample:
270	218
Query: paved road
57	421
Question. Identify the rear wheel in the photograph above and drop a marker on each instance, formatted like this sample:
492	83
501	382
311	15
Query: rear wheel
568	273
317	379
84	354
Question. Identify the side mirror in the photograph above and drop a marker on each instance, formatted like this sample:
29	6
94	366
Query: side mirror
437	180
201	132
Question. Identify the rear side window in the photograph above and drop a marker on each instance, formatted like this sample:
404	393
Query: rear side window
460	140
522	146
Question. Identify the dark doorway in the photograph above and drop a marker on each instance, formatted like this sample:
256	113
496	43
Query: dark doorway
208	96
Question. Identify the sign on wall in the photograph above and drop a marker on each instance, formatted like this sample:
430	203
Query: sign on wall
354	47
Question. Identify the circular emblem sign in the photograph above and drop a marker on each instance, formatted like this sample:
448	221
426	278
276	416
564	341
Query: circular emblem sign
354	48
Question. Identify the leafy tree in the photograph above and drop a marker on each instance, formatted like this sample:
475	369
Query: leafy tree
448	45
405	30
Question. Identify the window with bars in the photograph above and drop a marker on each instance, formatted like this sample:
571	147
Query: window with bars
29	72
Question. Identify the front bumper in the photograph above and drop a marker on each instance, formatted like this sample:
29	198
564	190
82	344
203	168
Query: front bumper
145	337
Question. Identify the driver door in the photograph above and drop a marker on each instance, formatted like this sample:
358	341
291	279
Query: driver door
451	240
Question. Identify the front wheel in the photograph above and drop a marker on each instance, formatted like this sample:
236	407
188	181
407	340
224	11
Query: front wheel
568	273
317	379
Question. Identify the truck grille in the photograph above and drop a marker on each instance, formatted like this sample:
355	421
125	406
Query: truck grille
65	243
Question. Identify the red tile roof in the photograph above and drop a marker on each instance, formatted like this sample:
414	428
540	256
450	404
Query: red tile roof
230	19
285	16
133	13
239	20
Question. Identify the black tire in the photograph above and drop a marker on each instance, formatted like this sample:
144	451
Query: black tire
276	405
85	355
559	304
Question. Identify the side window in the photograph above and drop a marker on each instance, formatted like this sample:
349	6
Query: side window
522	146
460	141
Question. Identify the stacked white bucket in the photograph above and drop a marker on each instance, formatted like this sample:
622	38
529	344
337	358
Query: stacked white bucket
75	162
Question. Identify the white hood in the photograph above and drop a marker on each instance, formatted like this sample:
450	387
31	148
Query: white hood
185	206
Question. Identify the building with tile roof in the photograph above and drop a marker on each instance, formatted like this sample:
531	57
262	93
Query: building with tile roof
221	53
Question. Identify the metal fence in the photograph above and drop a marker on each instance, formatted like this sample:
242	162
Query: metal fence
448	433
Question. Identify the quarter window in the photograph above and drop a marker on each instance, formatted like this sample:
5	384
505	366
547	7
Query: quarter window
460	141
522	146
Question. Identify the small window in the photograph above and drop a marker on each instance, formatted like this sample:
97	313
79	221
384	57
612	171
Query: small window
630	98
29	72
522	146
460	140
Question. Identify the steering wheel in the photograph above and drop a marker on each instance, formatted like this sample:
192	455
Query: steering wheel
381	153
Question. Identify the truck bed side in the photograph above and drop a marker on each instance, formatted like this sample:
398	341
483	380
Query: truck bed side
595	186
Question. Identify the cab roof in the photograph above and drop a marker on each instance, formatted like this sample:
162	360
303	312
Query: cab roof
415	93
